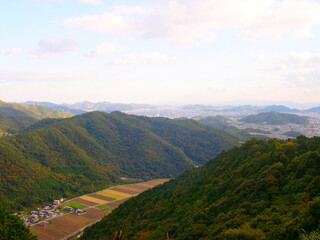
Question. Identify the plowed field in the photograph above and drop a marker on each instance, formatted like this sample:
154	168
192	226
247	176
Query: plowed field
62	226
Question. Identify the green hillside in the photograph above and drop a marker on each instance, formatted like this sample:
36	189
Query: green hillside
14	123
263	190
275	118
35	111
67	157
293	134
15	117
224	123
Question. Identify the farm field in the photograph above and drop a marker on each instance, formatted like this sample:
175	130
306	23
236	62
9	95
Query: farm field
96	206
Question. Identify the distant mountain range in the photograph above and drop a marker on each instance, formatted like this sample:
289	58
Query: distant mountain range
57	107
108	107
249	108
86	106
313	110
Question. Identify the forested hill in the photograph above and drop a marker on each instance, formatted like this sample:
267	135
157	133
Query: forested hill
263	190
15	117
14	123
275	118
35	111
67	157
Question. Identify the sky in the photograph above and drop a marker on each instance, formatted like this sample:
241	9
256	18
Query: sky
160	51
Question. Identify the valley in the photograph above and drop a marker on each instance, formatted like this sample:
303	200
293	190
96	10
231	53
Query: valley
75	157
160	120
74	215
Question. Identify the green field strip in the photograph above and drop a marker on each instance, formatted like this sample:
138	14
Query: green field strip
104	207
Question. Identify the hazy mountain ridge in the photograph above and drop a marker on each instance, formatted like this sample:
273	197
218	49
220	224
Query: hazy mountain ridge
107	106
275	118
214	121
85	106
261	190
279	108
57	107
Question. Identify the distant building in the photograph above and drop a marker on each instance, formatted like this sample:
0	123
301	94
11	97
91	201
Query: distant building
43	223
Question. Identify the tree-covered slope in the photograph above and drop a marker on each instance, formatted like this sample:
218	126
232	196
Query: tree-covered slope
35	111
197	141
12	228
224	123
15	117
261	190
275	118
14	123
66	157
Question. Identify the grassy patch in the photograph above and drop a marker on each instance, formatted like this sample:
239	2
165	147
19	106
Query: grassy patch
104	207
72	204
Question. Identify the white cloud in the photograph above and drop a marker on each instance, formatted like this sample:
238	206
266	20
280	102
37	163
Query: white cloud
300	69
143	58
93	2
12	51
191	20
304	59
104	49
267	58
44	75
304	69
117	20
54	46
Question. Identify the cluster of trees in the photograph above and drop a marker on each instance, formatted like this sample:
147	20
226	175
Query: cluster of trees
264	189
12	228
66	157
